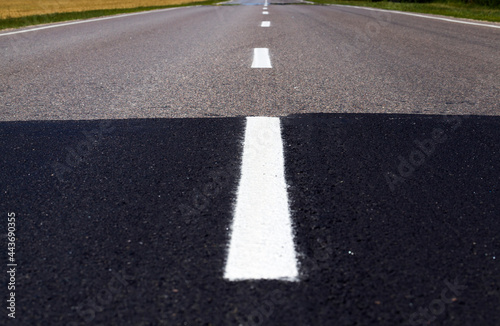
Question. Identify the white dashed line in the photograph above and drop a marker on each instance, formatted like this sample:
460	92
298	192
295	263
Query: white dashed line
265	24
261	58
261	244
265	13
265	8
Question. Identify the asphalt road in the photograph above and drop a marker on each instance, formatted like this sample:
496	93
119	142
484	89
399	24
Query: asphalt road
135	231
195	62
122	141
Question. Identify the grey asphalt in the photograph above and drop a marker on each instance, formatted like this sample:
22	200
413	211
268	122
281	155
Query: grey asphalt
121	144
195	62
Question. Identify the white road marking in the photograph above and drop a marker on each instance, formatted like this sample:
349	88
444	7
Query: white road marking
423	16
261	58
265	8
265	24
86	21
261	244
265	13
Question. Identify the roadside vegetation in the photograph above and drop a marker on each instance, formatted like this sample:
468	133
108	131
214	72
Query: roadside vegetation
19	13
487	10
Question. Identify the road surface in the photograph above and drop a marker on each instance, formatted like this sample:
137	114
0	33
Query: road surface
124	144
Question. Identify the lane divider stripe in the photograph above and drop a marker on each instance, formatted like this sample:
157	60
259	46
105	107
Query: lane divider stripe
261	58
261	241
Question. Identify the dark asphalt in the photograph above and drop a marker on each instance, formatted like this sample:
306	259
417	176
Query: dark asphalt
121	144
135	232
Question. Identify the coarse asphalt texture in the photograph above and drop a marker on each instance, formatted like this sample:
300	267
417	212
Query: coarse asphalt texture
121	144
195	62
151	201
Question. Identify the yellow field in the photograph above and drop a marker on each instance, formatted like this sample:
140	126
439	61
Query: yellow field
19	8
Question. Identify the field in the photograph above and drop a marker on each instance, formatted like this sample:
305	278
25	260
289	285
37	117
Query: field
19	13
21	8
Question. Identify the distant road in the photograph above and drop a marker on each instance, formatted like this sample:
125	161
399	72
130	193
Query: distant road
195	62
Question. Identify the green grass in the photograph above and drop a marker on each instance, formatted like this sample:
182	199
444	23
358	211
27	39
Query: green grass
59	17
445	8
451	8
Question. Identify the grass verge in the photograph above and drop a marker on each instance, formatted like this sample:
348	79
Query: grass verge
65	16
444	8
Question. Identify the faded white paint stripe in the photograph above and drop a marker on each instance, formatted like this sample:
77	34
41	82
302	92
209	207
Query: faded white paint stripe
423	16
87	21
265	8
261	244
265	24
265	13
261	58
